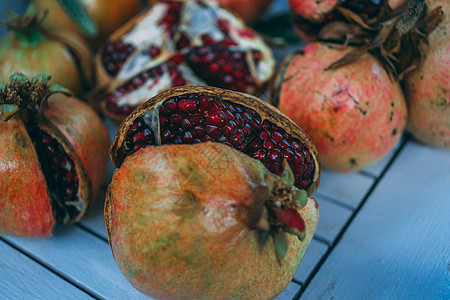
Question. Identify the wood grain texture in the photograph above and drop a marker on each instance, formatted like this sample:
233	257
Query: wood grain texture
333	217
347	188
23	278
82	258
398	246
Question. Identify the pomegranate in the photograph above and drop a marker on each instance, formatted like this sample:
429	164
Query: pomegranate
179	43
205	221
315	19
31	49
52	159
354	114
196	114
428	88
108	15
249	10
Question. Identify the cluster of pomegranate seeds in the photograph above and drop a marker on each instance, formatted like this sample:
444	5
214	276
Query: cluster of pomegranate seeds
222	67
194	118
60	173
172	17
138	81
114	55
369	8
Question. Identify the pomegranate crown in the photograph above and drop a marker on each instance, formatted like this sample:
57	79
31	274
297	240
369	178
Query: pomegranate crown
28	94
278	214
398	39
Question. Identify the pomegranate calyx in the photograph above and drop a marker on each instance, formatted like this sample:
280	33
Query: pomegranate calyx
28	95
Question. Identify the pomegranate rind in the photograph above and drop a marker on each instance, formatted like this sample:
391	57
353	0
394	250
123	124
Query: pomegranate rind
107	15
266	112
86	133
24	200
354	115
193	241
34	59
427	89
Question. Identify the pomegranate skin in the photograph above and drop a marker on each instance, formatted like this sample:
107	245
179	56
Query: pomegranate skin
32	58
192	241
85	131
427	89
107	15
52	160
354	115
22	180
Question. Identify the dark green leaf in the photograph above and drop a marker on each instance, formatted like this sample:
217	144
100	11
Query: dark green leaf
281	242
77	12
56	88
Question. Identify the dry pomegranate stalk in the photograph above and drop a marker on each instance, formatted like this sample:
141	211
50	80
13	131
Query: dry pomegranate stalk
205	221
180	43
54	148
195	114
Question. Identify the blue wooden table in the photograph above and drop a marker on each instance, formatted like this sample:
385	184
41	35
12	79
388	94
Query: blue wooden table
384	233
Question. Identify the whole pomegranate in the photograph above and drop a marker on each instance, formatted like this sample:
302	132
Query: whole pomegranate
33	50
52	158
428	88
314	19
196	114
354	114
108	15
205	221
178	43
249	10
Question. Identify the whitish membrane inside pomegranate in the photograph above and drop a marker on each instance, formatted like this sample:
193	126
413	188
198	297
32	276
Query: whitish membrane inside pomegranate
195	118
60	174
205	43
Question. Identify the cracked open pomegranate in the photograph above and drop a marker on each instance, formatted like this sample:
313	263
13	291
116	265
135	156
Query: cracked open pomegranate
354	114
52	157
178	43
196	114
205	221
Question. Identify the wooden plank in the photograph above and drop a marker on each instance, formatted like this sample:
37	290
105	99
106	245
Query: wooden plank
347	188
313	255
332	219
82	258
398	246
290	292
23	278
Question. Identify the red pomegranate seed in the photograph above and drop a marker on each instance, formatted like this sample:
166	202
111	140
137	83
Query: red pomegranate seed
195	118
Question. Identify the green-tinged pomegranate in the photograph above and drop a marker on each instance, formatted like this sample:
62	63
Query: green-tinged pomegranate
108	15
33	50
205	221
196	114
427	89
354	114
53	156
176	43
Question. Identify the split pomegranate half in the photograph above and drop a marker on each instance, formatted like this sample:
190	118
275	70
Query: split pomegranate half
196	114
180	43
